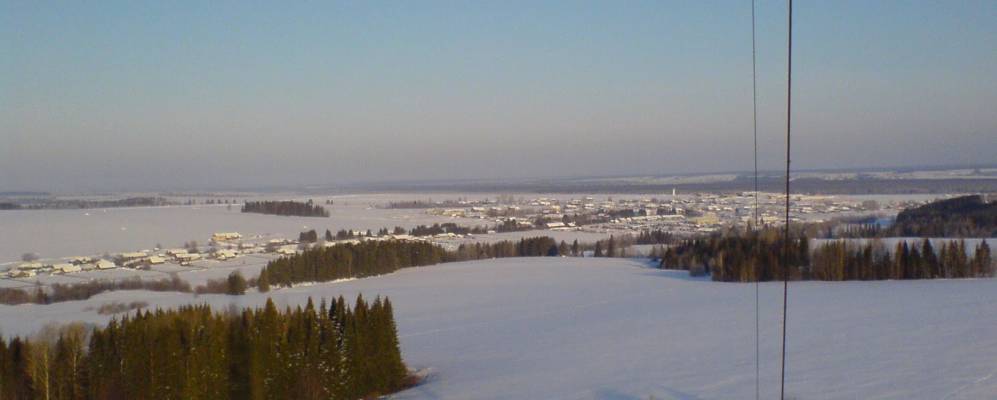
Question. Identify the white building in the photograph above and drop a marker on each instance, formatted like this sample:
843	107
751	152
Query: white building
226	236
66	268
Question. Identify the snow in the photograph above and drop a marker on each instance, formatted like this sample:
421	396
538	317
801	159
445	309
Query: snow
65	233
573	328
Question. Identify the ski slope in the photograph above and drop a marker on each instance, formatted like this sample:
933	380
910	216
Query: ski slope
572	328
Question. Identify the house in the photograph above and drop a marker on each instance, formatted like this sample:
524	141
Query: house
187	257
225	236
156	260
65	268
29	266
105	264
81	260
137	255
225	254
21	273
175	252
287	250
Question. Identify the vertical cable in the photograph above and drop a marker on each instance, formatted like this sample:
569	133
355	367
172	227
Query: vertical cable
785	251
754	121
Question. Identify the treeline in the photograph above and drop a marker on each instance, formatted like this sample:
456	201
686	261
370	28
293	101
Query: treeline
81	291
447	227
348	261
418	204
194	353
55	203
287	208
958	217
842	260
758	256
358	260
420	231
656	236
542	246
739	256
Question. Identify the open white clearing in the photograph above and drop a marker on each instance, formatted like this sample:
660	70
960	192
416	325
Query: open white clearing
571	328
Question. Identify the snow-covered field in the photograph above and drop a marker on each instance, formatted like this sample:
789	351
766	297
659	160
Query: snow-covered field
65	233
572	328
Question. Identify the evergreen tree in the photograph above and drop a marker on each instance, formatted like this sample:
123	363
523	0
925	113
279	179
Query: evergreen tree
983	259
236	284
263	281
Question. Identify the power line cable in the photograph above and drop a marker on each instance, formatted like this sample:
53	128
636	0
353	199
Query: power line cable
754	121
785	250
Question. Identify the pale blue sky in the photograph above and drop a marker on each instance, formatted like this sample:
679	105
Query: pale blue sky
130	95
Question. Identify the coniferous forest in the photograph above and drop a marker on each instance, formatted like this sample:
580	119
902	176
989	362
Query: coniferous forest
342	261
758	255
739	257
541	246
957	217
329	352
358	260
287	208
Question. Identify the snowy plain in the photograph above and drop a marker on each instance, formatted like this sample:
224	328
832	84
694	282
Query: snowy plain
574	328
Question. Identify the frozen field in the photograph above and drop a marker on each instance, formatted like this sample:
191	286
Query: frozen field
64	233
553	328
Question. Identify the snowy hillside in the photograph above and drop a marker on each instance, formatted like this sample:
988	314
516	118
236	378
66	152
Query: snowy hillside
553	328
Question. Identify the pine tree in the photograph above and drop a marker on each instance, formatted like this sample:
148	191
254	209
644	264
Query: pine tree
263	281
18	383
984	259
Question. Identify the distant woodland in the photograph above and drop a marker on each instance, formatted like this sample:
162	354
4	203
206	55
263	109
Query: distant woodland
967	216
358	260
54	203
287	208
342	261
192	352
758	256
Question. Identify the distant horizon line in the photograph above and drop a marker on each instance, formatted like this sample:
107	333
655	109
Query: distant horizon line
409	183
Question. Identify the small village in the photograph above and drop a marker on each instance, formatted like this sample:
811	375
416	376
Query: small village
681	215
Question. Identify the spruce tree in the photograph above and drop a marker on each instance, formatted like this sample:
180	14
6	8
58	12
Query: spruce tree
263	282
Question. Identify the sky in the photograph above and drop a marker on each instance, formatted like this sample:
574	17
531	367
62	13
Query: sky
154	95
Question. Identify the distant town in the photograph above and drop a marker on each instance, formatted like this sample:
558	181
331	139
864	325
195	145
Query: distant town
682	215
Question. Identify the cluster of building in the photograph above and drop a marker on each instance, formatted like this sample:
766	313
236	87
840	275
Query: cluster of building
74	264
685	214
222	244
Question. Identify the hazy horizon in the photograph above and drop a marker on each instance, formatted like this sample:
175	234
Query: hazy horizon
140	96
